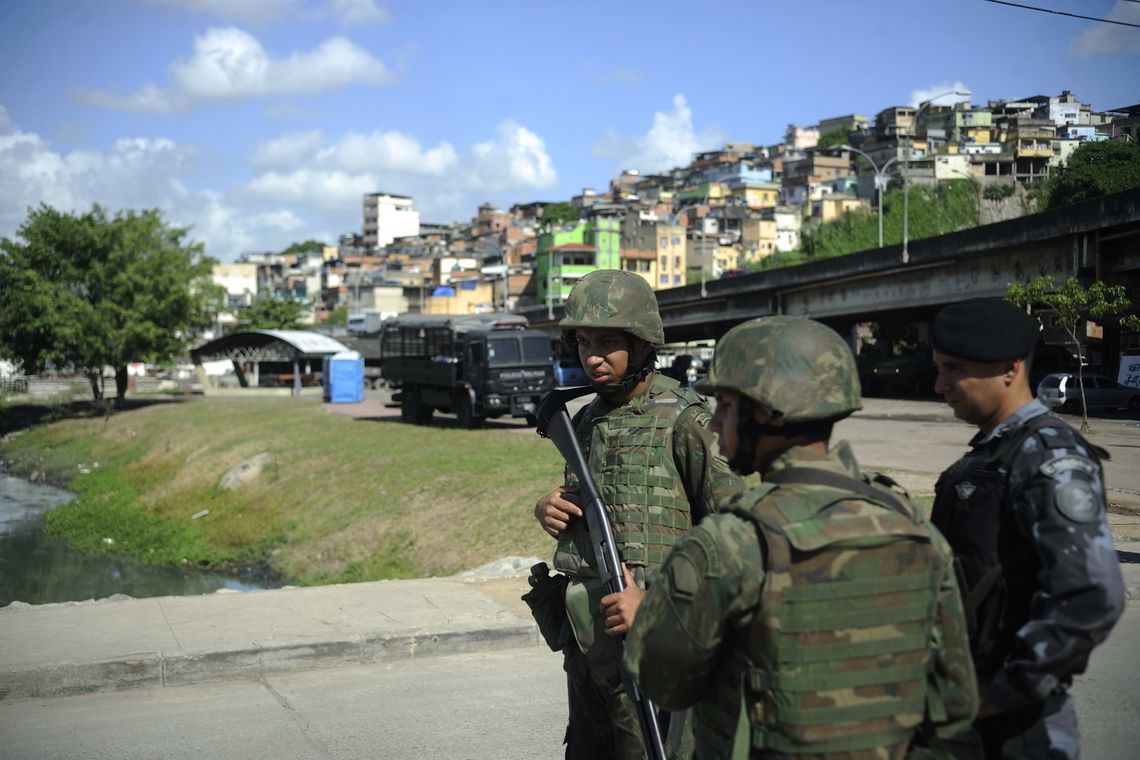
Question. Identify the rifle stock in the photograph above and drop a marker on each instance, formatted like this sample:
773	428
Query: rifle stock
554	423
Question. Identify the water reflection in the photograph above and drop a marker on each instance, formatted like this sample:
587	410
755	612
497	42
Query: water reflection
37	568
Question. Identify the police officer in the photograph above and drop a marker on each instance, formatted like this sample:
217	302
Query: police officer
1024	511
816	614
649	450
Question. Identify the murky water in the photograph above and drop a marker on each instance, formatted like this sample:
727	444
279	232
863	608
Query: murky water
37	568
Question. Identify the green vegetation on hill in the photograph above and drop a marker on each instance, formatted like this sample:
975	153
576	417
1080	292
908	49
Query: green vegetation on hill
946	207
344	500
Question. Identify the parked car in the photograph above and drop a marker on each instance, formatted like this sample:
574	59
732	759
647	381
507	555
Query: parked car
911	374
569	372
1062	391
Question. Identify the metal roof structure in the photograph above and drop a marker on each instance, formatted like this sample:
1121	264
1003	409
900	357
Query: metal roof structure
267	346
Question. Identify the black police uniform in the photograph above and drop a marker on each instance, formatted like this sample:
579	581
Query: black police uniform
1024	511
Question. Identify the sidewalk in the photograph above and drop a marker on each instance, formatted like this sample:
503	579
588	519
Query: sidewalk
115	643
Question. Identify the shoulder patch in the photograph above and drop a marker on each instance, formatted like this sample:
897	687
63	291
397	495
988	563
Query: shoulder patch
684	577
1076	501
1063	464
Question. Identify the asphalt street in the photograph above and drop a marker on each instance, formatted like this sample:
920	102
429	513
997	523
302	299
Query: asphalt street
507	704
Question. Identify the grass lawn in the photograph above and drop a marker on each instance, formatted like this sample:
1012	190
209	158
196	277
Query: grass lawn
343	500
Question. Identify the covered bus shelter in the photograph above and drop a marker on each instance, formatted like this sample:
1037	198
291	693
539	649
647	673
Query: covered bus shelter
291	347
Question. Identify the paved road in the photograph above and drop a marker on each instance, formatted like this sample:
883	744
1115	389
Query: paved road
507	704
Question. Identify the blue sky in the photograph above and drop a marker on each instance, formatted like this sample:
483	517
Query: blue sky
262	122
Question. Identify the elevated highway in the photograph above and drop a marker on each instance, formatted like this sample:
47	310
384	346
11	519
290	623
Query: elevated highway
1097	239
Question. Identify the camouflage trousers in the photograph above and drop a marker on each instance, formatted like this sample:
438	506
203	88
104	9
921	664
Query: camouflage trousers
603	720
1043	731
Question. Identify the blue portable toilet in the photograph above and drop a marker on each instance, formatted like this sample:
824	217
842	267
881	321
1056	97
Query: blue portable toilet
344	378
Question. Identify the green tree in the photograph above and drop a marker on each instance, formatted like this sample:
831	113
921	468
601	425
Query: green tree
947	207
1074	303
837	136
338	316
86	291
271	314
308	245
559	213
1096	169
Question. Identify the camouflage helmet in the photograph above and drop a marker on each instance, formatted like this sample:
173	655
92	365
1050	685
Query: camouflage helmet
792	366
615	299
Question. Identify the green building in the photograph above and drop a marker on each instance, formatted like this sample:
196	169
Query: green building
568	252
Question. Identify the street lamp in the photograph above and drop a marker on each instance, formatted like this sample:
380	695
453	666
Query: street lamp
704	257
906	168
880	173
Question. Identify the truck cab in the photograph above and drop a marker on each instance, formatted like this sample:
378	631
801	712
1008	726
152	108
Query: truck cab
474	366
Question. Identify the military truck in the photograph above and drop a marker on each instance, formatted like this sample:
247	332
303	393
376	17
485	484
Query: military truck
474	366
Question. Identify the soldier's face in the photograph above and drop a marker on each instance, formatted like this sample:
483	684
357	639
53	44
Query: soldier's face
725	422
604	353
976	391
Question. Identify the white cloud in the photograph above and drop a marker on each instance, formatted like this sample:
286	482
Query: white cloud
359	12
249	11
304	186
288	150
230	64
301	168
516	158
945	91
135	173
671	141
1106	39
350	12
392	151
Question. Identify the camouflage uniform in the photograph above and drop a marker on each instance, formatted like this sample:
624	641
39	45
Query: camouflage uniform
816	615
657	470
1025	513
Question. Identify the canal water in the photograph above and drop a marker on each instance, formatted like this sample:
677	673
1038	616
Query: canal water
38	568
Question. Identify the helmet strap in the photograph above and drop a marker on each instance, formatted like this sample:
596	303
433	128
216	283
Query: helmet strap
743	460
632	377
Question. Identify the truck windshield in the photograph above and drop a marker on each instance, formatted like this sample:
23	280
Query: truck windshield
512	350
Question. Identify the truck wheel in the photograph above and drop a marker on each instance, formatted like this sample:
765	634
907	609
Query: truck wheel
466	413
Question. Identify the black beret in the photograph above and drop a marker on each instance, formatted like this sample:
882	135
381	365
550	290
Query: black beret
984	330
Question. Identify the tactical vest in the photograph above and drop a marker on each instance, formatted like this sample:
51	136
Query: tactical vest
837	656
630	454
995	562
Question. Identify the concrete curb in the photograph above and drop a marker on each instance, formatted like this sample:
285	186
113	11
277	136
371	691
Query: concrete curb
124	643
155	669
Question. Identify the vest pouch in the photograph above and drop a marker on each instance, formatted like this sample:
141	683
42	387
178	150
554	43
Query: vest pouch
857	530
583	602
574	555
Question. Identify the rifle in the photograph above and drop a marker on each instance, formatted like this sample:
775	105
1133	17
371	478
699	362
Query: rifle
554	423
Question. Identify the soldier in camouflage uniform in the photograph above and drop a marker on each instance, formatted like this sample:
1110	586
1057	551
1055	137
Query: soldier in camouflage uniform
653	459
1025	513
815	615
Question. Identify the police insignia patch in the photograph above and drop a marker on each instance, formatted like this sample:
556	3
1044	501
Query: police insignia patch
1076	501
1062	464
965	490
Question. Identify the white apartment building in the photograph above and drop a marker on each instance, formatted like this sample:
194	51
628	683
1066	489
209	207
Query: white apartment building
387	217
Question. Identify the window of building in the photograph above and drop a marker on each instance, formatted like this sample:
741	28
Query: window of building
643	266
676	262
664	262
676	279
664	242
664	279
676	241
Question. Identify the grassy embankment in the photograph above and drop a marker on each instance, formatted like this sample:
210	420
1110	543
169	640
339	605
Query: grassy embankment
344	500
